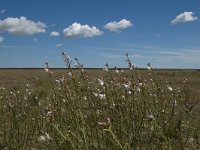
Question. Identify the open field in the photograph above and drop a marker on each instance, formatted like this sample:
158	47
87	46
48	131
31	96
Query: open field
96	109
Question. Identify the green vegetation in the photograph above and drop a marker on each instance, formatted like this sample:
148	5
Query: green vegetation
110	109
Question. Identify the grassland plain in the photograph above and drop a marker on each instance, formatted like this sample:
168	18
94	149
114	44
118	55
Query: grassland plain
96	109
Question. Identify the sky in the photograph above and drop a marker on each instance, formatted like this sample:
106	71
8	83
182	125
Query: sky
165	33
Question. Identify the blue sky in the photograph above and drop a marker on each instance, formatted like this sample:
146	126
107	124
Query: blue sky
164	33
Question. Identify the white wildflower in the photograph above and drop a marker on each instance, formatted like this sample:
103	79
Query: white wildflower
75	64
179	91
101	82
149	66
46	70
185	80
140	84
49	113
127	86
170	88
106	67
67	59
175	103
70	74
98	112
150	117
102	123
42	138
138	90
102	96
95	94
47	136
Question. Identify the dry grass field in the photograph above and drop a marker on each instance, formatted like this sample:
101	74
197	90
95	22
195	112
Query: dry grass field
98	109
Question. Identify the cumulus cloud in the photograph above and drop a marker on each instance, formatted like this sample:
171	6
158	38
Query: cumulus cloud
184	17
54	33
21	26
58	45
1	39
76	30
118	26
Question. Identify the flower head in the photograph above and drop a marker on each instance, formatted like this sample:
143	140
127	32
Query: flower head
170	88
106	67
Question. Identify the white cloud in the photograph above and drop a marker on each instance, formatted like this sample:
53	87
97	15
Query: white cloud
76	30
184	17
117	26
58	45
1	39
2	11
21	26
54	33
